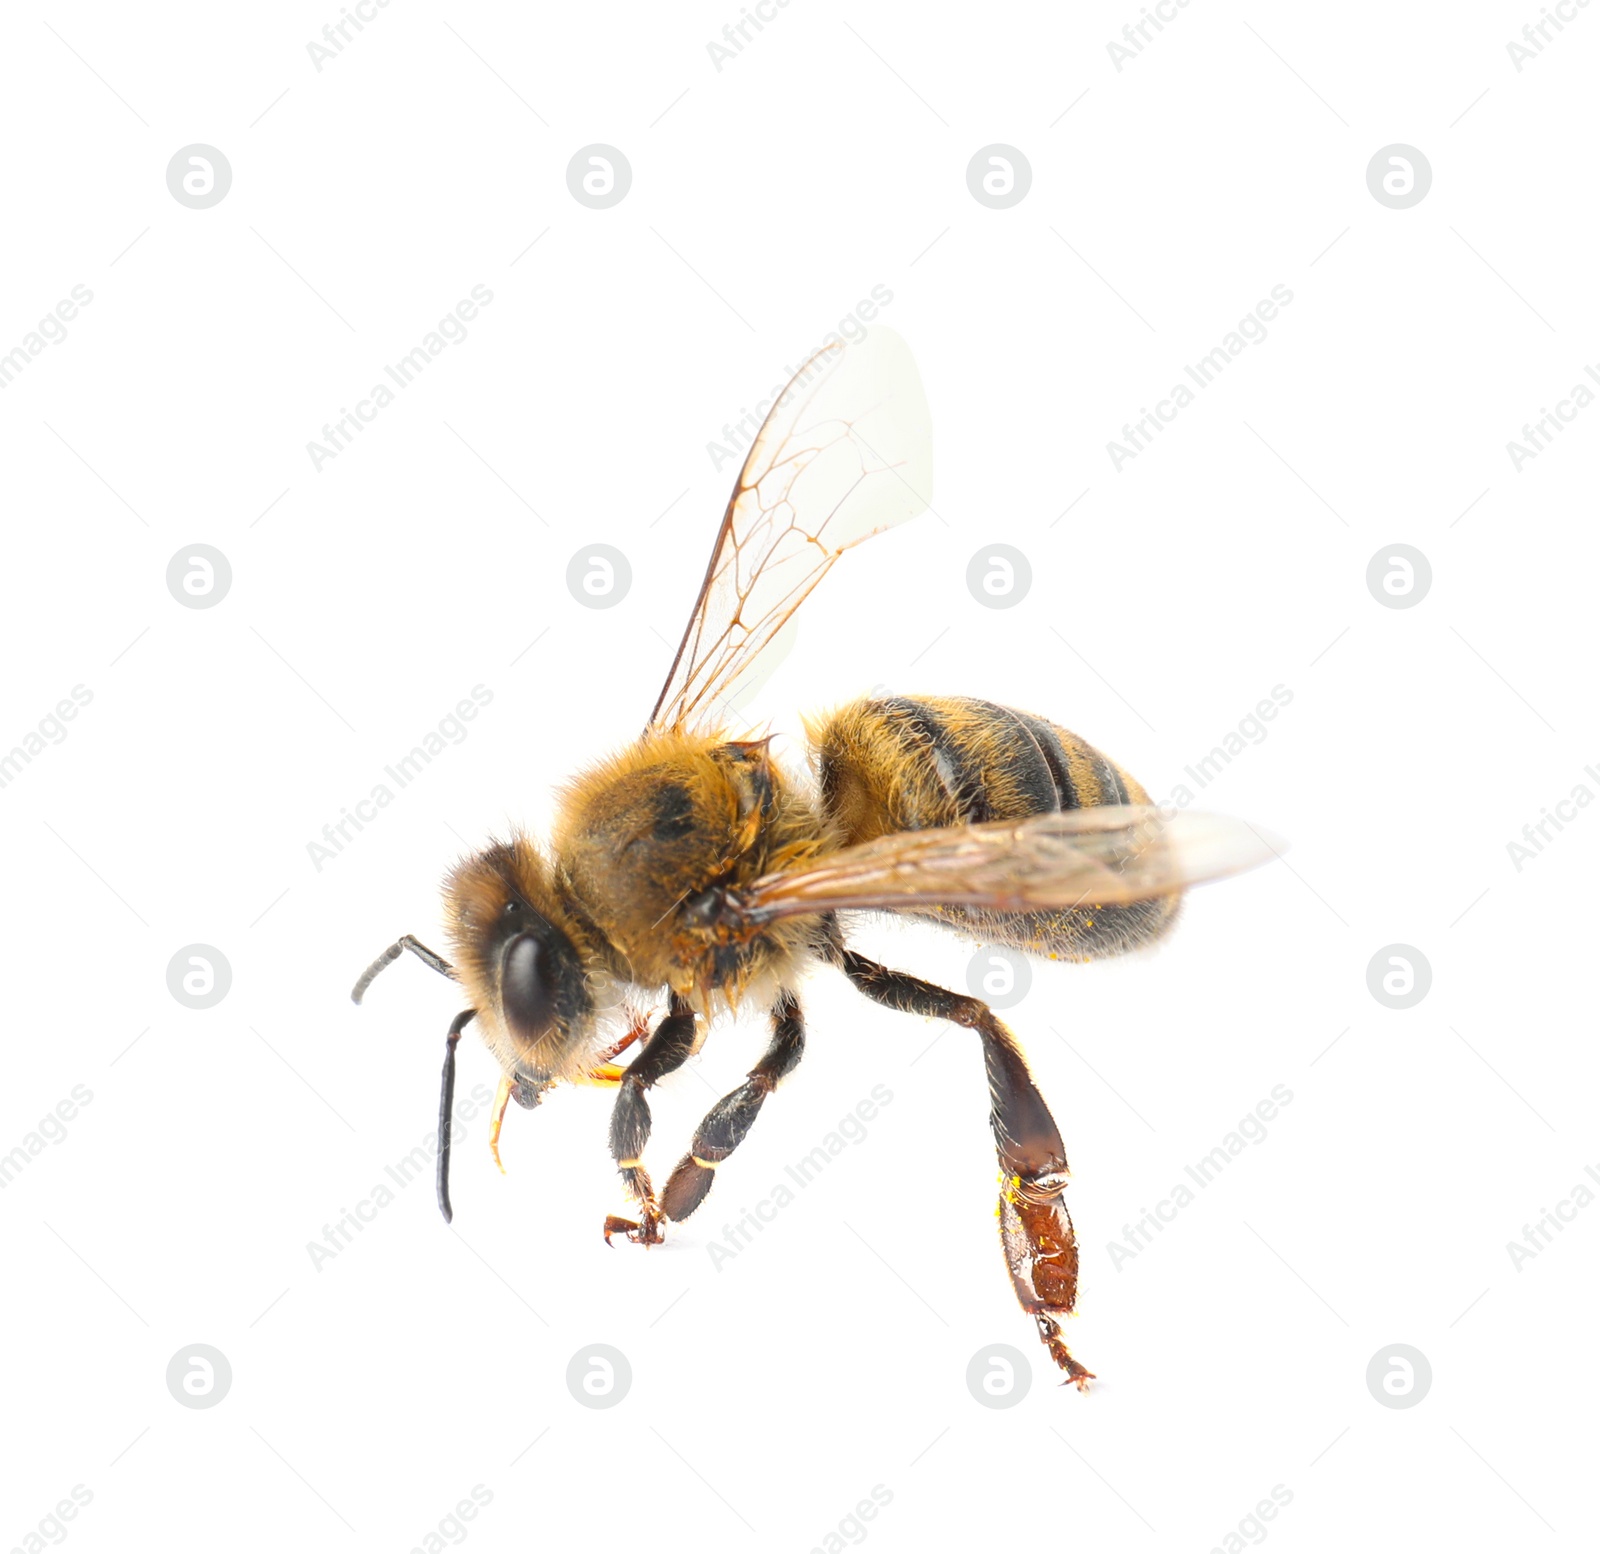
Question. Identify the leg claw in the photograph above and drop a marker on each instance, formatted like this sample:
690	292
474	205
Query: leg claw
1050	1332
647	1234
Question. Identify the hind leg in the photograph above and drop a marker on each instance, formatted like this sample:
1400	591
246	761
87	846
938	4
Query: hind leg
1035	1229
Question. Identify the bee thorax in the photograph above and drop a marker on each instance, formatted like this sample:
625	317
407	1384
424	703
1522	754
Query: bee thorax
657	844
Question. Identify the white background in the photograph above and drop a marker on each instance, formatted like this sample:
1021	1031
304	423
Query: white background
768	198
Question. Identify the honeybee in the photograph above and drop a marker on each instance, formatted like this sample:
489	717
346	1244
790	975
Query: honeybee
693	868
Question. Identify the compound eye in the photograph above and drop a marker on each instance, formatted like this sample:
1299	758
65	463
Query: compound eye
526	988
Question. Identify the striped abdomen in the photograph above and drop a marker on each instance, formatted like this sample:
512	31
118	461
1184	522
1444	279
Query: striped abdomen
907	763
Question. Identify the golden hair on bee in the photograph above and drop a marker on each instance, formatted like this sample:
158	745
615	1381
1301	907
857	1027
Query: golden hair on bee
642	832
915	763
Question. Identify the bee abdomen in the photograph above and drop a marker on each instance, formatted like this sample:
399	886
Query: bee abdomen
907	763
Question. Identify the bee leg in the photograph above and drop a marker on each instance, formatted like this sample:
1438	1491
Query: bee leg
640	1028
1035	1229
723	1128
665	1049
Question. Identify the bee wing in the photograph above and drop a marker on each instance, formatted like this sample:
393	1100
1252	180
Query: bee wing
844	454
1103	856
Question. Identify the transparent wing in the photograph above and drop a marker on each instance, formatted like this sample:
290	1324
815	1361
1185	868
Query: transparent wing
845	453
1107	855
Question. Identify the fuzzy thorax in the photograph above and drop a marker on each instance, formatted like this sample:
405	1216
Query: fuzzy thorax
643	834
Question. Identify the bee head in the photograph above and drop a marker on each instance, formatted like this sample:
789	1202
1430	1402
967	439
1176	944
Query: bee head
519	953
